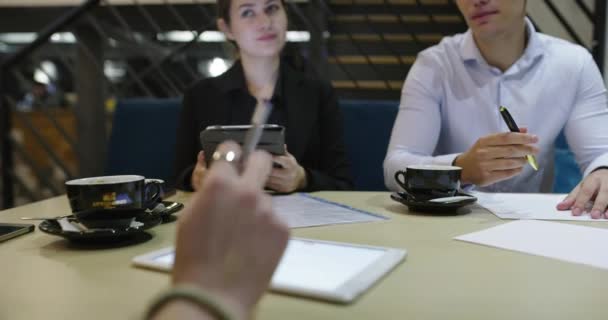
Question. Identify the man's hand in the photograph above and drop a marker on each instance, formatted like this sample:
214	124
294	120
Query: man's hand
594	187
496	157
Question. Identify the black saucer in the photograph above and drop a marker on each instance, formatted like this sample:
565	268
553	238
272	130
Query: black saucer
109	234
433	207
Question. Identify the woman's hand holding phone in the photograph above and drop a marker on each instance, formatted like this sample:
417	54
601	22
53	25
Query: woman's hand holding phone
287	175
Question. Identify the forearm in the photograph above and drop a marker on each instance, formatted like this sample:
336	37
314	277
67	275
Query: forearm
599	162
397	160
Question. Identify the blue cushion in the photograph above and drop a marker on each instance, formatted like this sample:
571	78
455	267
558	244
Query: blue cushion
567	173
143	141
367	131
143	138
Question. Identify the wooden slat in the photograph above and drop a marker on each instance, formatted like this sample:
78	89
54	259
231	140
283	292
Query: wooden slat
344	84
375	59
415	18
429	37
390	37
396	85
372	84
367	84
391	18
391	2
444	18
70	3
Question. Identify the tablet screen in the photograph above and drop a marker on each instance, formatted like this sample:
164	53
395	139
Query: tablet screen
322	266
333	271
314	265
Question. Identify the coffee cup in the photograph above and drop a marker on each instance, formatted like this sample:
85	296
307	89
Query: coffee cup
124	195
427	182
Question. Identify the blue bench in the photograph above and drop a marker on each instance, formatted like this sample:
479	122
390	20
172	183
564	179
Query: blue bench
143	138
143	141
567	172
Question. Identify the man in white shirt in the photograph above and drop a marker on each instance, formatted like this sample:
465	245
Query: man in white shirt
449	112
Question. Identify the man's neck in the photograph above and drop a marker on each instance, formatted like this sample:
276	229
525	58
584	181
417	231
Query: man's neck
504	50
260	75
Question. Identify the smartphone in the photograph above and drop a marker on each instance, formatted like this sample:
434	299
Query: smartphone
272	139
11	230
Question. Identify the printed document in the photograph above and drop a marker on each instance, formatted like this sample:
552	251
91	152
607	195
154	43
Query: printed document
303	210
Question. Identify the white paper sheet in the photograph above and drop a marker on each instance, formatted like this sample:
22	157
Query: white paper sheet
572	243
539	206
302	210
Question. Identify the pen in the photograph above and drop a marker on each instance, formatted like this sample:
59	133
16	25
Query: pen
513	127
252	137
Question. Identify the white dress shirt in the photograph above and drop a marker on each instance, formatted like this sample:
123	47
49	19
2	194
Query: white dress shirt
451	97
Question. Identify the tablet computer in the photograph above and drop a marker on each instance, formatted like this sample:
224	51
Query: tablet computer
333	271
272	139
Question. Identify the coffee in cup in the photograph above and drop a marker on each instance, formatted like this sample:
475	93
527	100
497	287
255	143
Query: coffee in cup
426	182
129	193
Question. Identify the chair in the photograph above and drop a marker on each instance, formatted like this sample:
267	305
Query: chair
143	138
367	131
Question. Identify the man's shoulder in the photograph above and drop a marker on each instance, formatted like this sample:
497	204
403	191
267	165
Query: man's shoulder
563	49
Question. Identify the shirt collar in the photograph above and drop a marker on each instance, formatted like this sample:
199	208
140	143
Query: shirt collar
234	80
534	48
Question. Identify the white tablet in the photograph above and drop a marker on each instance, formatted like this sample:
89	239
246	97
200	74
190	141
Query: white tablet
333	271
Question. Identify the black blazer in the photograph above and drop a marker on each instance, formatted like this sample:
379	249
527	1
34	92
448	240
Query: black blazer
306	107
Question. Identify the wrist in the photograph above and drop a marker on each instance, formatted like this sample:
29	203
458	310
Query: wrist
464	178
302	181
182	309
187	299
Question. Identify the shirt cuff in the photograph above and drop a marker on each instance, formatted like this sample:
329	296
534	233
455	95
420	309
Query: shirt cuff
601	161
446	159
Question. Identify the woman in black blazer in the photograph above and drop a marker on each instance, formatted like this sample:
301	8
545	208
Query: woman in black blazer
316	156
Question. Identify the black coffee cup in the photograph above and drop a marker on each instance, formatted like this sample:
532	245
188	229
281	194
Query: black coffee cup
124	195
426	182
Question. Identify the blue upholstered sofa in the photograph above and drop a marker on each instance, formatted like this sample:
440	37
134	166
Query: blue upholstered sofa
143	141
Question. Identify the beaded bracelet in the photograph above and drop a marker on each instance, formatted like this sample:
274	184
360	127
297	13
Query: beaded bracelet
201	298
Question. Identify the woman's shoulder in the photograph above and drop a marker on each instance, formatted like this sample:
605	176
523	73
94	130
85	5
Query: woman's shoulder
203	86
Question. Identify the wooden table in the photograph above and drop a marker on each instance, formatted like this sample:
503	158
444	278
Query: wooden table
44	277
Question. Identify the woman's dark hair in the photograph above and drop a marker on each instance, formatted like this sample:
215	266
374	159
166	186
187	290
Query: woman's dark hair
223	9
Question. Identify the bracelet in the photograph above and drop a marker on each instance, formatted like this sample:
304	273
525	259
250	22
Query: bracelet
201	298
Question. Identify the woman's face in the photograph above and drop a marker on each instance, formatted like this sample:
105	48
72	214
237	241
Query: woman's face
258	27
490	18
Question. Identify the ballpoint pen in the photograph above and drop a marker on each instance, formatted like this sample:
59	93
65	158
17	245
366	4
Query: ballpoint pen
514	128
259	118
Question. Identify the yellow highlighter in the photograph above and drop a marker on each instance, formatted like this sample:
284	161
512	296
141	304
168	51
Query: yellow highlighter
513	127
